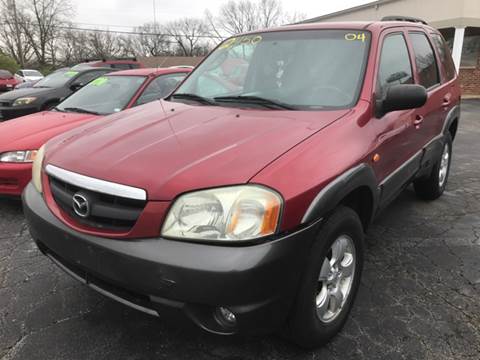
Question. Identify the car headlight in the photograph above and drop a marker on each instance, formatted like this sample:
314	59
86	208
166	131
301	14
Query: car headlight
228	214
37	169
26	156
24	101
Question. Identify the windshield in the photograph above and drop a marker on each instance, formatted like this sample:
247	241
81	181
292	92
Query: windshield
5	74
56	79
31	73
104	95
307	69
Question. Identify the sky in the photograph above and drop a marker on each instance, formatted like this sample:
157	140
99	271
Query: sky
130	13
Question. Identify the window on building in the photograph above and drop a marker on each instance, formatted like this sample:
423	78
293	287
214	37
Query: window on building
445	56
425	59
395	67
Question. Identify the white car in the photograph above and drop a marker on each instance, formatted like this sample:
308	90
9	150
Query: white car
29	75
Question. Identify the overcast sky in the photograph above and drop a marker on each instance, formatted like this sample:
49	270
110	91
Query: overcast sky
136	12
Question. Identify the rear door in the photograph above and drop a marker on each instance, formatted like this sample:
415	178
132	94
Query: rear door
429	118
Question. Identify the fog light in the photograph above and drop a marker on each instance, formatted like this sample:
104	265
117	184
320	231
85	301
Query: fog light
226	317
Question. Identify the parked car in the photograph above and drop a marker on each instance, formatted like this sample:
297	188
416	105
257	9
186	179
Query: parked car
119	63
30	75
7	80
21	138
246	210
46	93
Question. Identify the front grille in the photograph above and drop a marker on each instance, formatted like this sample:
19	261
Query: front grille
107	212
5	103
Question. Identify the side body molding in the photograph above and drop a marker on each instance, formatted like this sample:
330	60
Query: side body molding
331	195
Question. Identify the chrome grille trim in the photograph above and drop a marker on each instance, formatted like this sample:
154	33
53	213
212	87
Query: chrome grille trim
97	185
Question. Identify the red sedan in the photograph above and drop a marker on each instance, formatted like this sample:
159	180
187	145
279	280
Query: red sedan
21	138
7	81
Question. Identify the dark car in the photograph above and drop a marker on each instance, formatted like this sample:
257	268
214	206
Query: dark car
46	93
243	200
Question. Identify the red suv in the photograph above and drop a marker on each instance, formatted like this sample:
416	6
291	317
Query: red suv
242	200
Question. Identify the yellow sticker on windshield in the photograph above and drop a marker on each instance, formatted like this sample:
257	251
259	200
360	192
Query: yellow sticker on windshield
228	43
100	81
356	37
71	73
256	39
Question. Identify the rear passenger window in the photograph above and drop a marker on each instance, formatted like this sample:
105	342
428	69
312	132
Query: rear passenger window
425	60
445	56
395	67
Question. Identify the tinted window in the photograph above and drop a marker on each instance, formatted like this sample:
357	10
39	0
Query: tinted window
121	66
306	69
395	67
5	74
83	79
445	56
425	60
160	87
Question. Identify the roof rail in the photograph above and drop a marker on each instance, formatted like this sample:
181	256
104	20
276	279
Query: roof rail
404	18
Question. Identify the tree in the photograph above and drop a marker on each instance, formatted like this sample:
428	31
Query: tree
41	25
153	41
8	63
189	36
12	37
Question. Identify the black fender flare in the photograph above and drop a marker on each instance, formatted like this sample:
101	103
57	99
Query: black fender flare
453	114
331	195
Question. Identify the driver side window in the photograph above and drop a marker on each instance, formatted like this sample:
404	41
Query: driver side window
395	66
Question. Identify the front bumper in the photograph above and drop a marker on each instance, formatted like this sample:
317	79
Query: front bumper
14	177
258	283
11	112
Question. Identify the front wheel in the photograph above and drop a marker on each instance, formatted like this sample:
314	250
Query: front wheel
432	187
330	281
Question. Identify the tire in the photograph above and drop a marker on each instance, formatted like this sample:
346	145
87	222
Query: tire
432	187
305	326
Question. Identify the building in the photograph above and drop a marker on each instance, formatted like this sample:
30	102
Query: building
457	20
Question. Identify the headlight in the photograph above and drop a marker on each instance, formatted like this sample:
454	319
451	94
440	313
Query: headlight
19	156
37	169
24	101
227	214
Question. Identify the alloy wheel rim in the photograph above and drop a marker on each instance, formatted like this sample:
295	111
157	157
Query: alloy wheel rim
444	164
335	279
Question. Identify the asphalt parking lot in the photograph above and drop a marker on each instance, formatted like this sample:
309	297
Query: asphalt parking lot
419	299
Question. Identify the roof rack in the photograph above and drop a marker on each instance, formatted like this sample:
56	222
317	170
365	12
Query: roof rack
404	18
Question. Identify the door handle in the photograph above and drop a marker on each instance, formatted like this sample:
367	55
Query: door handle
446	100
418	121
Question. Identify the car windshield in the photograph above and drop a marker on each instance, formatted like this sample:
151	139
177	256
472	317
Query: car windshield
56	79
304	69
5	74
31	73
104	95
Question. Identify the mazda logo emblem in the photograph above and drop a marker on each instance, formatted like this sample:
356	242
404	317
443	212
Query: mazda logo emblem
81	206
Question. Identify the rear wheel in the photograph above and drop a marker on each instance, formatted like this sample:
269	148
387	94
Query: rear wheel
330	281
432	187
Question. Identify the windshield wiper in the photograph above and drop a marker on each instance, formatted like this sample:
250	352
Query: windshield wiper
257	100
80	110
194	97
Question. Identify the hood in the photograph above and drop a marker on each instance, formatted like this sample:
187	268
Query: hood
15	94
169	148
32	131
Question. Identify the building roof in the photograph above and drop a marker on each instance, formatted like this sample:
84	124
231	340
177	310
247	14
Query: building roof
349	10
167	61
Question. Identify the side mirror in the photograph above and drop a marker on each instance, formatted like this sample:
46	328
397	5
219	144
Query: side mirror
402	97
76	86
